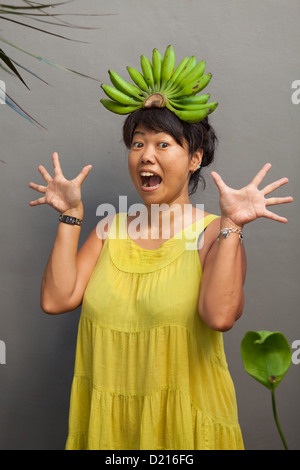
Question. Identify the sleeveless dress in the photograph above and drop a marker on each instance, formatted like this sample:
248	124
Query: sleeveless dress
149	373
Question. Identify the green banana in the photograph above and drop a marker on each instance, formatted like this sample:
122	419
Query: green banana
194	106
201	99
189	116
191	63
162	85
194	87
148	72
193	75
125	87
118	96
138	79
157	61
176	73
119	108
168	67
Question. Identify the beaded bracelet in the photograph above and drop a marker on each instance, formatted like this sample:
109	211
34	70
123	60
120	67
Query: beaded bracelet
67	219
226	231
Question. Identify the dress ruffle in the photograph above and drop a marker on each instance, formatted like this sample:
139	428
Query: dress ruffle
141	408
152	417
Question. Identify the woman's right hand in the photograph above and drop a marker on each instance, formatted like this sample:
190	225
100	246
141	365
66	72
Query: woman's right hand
61	194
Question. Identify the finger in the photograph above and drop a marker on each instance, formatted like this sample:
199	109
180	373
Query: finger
218	180
47	177
261	174
38	187
56	164
276	217
271	187
83	174
272	201
37	202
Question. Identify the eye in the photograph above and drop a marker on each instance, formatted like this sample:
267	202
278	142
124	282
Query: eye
163	145
137	145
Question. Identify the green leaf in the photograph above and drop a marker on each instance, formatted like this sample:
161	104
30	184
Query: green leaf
13	105
31	12
29	71
48	61
16	7
42	30
266	356
6	70
8	62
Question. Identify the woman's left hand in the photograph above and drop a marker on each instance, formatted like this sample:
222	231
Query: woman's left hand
247	204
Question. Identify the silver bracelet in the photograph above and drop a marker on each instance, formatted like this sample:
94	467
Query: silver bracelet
226	231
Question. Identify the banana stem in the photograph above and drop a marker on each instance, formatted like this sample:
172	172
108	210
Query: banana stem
170	89
276	419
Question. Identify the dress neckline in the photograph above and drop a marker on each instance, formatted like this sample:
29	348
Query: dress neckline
178	235
129	257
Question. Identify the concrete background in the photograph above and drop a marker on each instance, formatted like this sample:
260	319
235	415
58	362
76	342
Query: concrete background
252	49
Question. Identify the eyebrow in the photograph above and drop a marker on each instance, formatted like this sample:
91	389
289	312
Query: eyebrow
139	132
143	133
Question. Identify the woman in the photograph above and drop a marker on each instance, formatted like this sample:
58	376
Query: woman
150	369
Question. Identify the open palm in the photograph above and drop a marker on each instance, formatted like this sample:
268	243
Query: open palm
60	193
247	204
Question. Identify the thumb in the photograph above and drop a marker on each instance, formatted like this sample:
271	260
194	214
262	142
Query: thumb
83	174
218	181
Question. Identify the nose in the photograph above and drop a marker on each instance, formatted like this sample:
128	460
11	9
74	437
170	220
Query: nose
148	155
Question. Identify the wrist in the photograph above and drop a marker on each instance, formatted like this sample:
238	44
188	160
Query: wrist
225	232
75	212
226	222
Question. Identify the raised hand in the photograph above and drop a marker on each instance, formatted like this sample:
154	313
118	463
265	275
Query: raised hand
61	194
247	204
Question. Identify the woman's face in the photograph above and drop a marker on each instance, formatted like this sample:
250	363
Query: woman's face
171	165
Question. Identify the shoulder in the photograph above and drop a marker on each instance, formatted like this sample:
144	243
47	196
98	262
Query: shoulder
208	240
211	222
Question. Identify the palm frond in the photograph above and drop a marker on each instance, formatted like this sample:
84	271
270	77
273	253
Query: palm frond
29	71
62	23
6	70
42	30
12	104
34	11
31	7
9	63
42	59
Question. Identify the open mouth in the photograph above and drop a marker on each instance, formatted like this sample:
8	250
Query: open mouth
150	180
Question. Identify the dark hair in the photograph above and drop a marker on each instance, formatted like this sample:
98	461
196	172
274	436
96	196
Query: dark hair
198	135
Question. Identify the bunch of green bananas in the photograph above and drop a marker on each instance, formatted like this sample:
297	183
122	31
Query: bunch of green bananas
161	85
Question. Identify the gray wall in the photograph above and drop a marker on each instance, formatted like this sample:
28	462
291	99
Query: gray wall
252	49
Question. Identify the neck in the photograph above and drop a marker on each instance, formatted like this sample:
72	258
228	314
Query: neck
163	220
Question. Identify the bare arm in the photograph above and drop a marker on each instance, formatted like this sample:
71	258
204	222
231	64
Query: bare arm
66	272
221	296
221	299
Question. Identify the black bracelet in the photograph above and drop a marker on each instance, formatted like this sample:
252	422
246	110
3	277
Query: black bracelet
67	219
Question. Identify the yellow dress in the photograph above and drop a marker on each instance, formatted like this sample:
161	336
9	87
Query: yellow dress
149	374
